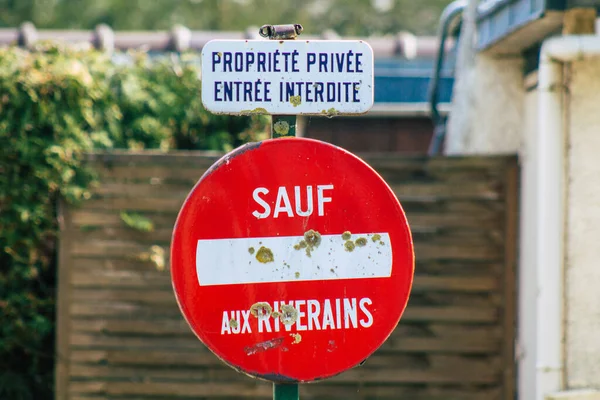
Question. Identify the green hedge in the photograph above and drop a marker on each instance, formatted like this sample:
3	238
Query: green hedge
57	102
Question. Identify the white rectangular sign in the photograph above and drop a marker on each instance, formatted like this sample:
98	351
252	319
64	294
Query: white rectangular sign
228	261
309	77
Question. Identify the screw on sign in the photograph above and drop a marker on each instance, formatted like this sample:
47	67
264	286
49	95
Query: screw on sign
292	260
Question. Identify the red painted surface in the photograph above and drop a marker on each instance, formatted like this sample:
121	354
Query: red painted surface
220	207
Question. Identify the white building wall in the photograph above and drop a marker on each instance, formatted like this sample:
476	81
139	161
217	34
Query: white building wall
583	228
582	207
488	98
527	272
492	113
487	108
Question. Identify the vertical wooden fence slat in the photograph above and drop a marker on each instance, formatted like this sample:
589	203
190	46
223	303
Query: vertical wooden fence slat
63	320
510	278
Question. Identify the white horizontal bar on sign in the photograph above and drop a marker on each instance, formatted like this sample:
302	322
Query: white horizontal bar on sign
293	258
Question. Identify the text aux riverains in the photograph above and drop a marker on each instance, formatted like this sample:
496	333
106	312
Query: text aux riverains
293	77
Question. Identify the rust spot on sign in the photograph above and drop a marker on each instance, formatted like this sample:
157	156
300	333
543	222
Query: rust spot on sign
349	245
263	346
282	128
313	238
297	338
301	245
261	310
255	111
361	242
264	255
330	113
288	314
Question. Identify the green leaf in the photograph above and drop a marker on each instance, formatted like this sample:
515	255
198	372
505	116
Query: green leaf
137	222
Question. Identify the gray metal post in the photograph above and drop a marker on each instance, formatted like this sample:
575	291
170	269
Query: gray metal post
282	125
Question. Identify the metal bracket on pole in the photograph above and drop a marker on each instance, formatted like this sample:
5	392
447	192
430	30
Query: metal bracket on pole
282	125
281	32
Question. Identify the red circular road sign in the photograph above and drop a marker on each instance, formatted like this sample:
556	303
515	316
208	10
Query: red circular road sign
292	260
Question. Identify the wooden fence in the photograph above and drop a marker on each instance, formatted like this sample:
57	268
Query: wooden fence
121	335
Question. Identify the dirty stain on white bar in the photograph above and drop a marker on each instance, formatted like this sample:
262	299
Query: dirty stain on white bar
230	261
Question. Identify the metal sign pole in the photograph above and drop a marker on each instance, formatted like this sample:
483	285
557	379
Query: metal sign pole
281	126
285	391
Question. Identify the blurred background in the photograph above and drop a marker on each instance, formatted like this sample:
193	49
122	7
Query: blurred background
102	76
401	32
103	134
352	17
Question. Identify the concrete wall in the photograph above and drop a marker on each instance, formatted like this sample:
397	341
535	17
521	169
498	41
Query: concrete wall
575	395
582	211
488	98
487	108
582	272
